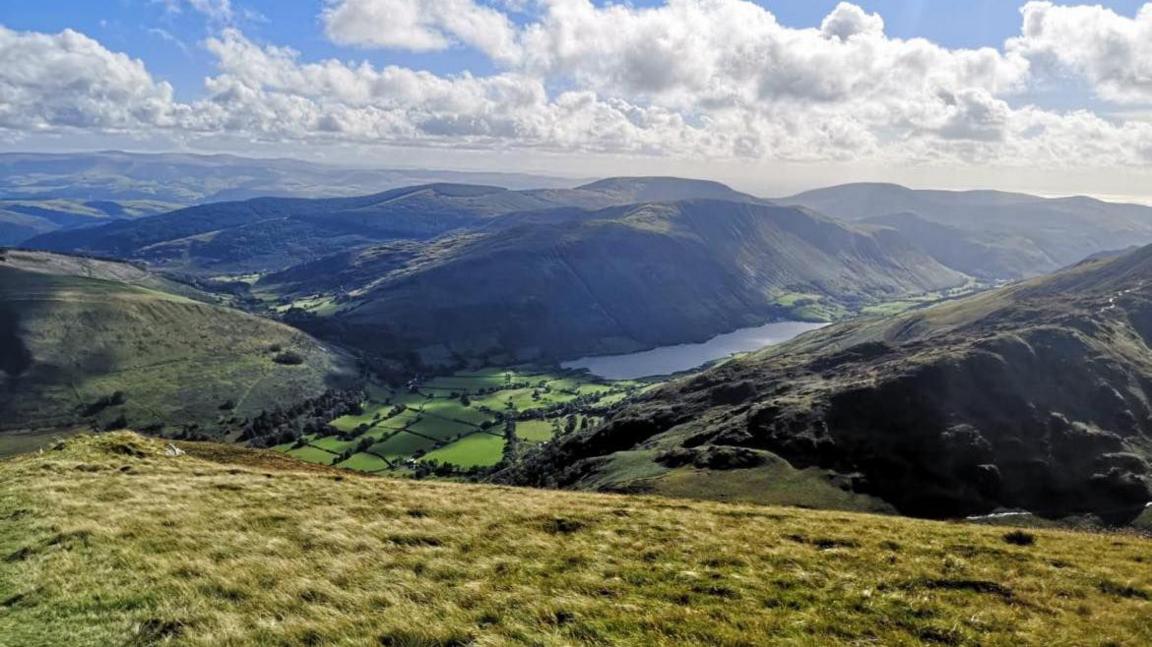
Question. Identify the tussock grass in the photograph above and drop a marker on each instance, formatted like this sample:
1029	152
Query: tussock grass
107	541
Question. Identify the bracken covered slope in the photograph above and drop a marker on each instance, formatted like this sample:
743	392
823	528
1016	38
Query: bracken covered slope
1034	396
106	540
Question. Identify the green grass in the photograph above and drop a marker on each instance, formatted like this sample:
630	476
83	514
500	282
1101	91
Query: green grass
611	399
371	409
333	444
439	428
402	445
312	455
535	431
452	409
365	463
479	449
109	542
498	401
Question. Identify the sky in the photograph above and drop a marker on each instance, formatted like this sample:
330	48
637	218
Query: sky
772	96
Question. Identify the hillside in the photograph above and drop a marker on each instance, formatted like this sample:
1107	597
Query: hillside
269	234
1034	396
21	220
108	540
618	280
86	341
989	234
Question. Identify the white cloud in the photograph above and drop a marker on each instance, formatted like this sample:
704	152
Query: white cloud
218	10
1113	52
420	25
687	79
848	20
70	80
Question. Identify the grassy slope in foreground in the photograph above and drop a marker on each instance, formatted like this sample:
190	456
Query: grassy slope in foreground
108	541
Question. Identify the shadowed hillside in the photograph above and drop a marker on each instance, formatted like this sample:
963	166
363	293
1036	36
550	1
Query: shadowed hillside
88	341
618	280
1034	396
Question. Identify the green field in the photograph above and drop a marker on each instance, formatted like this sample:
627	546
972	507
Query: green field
366	463
479	449
312	454
535	431
333	444
434	416
440	428
402	445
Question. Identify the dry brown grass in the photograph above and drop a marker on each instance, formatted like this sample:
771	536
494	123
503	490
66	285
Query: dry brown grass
108	542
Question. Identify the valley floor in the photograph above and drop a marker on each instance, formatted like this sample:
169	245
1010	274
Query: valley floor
459	420
106	540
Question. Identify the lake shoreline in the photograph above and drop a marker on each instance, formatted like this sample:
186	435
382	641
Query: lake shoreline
678	358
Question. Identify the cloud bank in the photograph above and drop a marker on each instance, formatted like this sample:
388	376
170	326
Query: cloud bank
695	79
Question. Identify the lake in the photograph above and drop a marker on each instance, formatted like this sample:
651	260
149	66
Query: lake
673	359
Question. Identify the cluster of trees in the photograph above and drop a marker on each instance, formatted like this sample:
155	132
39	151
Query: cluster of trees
434	468
289	424
113	399
363	446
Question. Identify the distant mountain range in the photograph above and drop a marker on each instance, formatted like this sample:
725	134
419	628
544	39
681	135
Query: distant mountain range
989	234
188	179
1033	396
612	266
268	234
41	193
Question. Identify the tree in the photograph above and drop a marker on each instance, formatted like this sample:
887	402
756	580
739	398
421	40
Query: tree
289	358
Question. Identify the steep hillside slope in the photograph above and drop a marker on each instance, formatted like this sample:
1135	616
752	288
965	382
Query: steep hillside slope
1035	396
274	233
990	234
107	540
620	280
96	341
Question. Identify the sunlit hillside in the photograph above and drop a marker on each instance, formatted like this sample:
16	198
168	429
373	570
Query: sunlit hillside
113	540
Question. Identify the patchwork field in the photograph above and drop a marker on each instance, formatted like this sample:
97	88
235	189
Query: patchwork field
459	420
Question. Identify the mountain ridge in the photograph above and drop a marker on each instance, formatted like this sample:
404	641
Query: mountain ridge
1032	396
560	286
